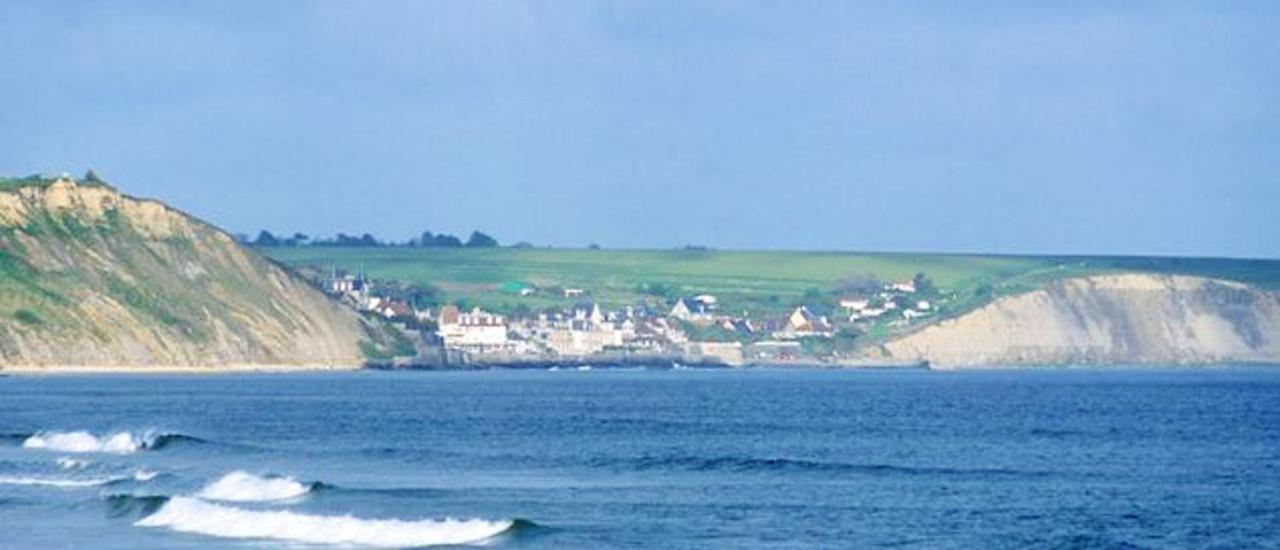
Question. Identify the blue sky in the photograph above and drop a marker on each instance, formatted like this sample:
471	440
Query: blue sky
1015	127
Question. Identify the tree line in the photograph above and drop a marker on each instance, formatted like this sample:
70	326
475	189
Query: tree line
427	239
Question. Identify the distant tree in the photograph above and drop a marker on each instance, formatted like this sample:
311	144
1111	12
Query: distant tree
344	239
298	239
593	246
447	241
369	240
265	238
92	177
521	245
480	240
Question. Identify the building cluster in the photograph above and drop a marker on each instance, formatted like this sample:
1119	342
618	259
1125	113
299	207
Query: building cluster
693	327
587	330
359	292
898	300
581	331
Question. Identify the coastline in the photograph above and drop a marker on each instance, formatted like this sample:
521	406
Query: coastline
260	368
579	363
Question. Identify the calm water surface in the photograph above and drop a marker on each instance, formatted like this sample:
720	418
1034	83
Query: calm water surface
645	459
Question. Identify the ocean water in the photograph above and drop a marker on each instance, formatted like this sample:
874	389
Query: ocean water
644	459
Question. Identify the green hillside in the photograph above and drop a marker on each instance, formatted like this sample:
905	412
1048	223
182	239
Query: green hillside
93	278
751	280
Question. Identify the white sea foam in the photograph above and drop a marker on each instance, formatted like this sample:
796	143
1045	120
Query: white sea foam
68	463
85	442
192	515
239	486
144	475
54	482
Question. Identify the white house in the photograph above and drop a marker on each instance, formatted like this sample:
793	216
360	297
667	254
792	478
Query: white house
908	286
580	337
474	331
868	313
854	304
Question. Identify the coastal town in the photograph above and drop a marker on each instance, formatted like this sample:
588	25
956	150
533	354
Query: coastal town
693	329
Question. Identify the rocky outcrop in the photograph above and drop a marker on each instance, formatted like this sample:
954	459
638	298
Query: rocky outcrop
1111	319
90	277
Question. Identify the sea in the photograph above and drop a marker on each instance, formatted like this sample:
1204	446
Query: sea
644	458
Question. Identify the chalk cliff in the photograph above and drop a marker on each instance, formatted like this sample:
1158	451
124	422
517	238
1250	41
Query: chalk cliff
90	277
1110	319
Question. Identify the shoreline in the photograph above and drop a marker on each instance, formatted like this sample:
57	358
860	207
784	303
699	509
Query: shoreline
73	370
54	370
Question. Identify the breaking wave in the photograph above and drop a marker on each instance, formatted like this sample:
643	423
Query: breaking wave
240	486
144	475
192	515
115	443
140	475
66	483
83	442
68	463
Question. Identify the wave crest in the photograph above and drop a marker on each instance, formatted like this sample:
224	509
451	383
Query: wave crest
84	442
192	515
65	483
240	486
68	463
114	443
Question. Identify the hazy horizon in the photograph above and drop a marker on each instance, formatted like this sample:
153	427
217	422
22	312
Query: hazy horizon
984	128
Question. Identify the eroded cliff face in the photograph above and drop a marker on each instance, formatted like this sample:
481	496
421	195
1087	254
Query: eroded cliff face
93	278
1111	319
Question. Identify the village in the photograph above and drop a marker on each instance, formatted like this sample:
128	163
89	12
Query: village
693	330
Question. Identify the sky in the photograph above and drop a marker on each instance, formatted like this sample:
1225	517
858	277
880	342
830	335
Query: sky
1002	127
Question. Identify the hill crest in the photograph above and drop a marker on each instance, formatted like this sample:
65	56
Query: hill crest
93	277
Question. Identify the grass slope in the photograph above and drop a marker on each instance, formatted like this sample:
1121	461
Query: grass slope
101	279
752	280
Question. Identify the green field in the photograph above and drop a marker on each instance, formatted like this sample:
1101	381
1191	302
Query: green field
757	281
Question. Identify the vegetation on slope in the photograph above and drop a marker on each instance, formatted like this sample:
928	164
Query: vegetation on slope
757	281
91	277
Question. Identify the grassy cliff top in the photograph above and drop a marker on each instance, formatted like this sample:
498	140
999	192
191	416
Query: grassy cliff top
45	180
763	281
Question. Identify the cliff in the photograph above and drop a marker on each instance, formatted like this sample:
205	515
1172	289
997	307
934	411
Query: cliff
93	278
1111	319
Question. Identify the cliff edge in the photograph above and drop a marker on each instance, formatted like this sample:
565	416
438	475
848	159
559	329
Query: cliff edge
92	278
1108	319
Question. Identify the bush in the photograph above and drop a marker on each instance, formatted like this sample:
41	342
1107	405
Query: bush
28	317
480	240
